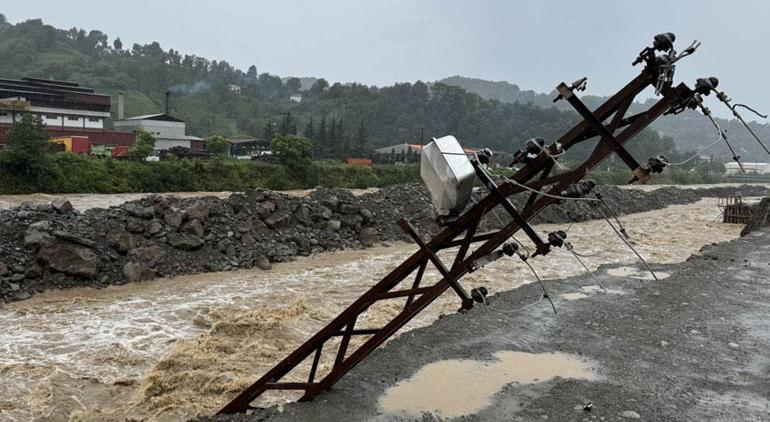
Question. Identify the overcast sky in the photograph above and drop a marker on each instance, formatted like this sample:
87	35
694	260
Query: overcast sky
535	44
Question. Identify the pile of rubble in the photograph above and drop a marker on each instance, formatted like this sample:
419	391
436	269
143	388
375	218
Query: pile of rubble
55	246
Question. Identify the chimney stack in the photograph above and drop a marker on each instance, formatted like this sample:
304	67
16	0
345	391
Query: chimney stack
121	109
168	102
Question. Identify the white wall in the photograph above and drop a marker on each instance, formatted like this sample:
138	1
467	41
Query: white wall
156	128
98	123
162	144
73	121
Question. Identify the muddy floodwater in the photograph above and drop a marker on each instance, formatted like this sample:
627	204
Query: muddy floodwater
460	387
174	348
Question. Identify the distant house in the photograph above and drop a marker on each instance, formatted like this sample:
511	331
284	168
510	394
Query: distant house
297	98
167	130
235	88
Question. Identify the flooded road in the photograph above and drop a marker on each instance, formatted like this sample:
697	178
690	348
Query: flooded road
175	348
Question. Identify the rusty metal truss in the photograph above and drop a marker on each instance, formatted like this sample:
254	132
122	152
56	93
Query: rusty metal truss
610	122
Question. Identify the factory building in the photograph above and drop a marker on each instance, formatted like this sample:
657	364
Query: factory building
167	130
66	108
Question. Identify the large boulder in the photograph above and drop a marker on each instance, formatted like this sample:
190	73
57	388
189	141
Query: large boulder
71	237
121	240
263	209
368	236
62	206
198	210
151	256
137	271
37	232
69	258
139	211
193	227
349	209
173	218
277	220
185	242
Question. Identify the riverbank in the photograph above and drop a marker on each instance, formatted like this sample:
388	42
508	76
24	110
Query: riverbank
692	346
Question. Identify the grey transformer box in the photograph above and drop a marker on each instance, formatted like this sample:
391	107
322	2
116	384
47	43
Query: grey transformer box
448	174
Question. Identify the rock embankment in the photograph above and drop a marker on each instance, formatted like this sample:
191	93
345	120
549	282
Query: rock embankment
760	217
55	246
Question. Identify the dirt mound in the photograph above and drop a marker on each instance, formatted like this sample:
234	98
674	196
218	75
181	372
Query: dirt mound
56	246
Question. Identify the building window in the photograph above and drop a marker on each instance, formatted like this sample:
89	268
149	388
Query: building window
51	117
75	119
93	119
3	114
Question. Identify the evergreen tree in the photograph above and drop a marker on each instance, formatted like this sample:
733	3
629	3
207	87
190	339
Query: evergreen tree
309	131
268	132
392	158
343	141
288	126
322	136
331	147
117	44
361	141
252	72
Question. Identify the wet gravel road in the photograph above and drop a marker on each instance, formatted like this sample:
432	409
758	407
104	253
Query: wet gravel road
694	346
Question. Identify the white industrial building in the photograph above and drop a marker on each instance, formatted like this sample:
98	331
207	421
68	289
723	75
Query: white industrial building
167	130
732	169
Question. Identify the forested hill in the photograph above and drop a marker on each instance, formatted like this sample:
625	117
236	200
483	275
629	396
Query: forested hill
342	120
690	130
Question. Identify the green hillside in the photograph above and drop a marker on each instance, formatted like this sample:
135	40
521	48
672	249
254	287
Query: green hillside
342	120
691	130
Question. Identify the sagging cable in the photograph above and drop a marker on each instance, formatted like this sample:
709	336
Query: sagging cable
559	239
726	101
623	238
722	133
612	213
511	249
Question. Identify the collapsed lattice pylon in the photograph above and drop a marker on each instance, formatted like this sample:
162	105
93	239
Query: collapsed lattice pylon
609	122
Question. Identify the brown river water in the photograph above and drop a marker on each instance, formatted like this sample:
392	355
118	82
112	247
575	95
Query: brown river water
171	349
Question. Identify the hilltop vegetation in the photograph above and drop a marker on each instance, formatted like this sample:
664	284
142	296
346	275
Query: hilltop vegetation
690	130
346	119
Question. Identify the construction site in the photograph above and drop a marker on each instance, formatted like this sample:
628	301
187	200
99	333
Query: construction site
479	295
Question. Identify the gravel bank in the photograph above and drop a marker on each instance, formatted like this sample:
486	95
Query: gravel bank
53	245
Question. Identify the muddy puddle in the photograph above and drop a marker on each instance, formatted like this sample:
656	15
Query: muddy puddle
460	387
172	349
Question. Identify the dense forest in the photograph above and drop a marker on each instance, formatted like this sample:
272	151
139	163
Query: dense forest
690	130
342	120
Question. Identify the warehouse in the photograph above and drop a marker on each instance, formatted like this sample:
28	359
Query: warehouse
167	130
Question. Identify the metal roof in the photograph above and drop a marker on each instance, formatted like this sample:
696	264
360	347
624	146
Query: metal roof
161	116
